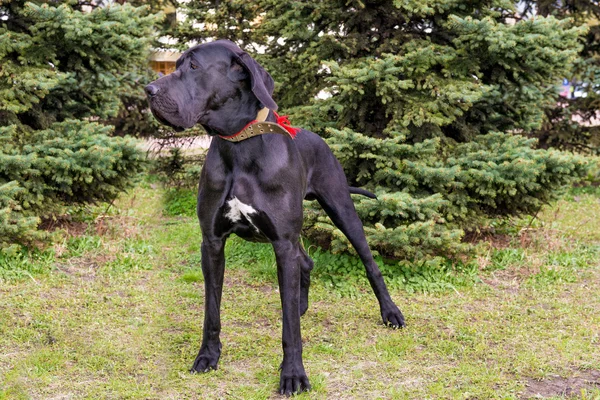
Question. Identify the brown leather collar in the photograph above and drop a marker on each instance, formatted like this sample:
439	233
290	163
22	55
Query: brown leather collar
258	127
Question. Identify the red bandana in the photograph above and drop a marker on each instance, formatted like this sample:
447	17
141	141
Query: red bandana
287	125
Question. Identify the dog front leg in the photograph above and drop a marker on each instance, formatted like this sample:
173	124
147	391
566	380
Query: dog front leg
293	377
213	269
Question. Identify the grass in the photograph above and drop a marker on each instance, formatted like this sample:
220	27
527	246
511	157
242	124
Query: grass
115	312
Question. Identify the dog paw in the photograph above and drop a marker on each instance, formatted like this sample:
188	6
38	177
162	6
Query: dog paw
206	360
293	381
393	318
203	364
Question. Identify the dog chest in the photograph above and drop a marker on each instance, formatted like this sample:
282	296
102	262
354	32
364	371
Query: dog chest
237	210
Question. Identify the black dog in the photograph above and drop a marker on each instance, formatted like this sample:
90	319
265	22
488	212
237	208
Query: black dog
253	185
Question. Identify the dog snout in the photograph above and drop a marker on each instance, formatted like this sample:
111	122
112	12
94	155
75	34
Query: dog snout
152	90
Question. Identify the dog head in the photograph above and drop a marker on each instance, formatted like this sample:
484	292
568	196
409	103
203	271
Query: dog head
212	82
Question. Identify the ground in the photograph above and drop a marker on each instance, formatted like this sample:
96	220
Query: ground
114	311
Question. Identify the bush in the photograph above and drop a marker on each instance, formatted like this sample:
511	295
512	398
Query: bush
177	170
60	70
71	163
15	225
425	202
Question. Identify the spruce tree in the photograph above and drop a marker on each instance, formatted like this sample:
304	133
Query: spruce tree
62	69
574	122
134	118
425	103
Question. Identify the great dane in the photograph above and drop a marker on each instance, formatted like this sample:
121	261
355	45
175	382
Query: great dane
256	174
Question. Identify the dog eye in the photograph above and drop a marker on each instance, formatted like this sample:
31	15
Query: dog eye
193	66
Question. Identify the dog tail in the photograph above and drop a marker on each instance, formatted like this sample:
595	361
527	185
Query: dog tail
355	190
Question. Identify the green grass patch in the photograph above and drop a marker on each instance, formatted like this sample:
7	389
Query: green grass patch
25	263
180	202
116	312
346	275
79	245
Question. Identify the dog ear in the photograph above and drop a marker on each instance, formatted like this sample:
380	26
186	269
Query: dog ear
260	80
237	72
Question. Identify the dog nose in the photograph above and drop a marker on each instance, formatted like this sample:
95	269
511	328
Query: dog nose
152	90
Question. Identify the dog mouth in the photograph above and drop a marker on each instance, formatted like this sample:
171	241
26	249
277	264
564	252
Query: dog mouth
165	121
164	109
167	111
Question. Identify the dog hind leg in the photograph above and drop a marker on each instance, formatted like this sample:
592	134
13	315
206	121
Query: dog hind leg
306	265
338	204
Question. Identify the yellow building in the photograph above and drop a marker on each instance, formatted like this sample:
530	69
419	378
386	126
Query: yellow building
163	62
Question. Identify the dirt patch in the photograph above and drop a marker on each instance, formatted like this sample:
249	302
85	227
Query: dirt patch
542	239
559	386
496	240
536	238
84	267
119	226
102	225
66	223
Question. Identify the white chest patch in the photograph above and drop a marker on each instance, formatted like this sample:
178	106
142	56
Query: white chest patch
237	209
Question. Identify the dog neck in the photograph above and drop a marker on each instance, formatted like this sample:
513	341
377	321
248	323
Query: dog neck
234	115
